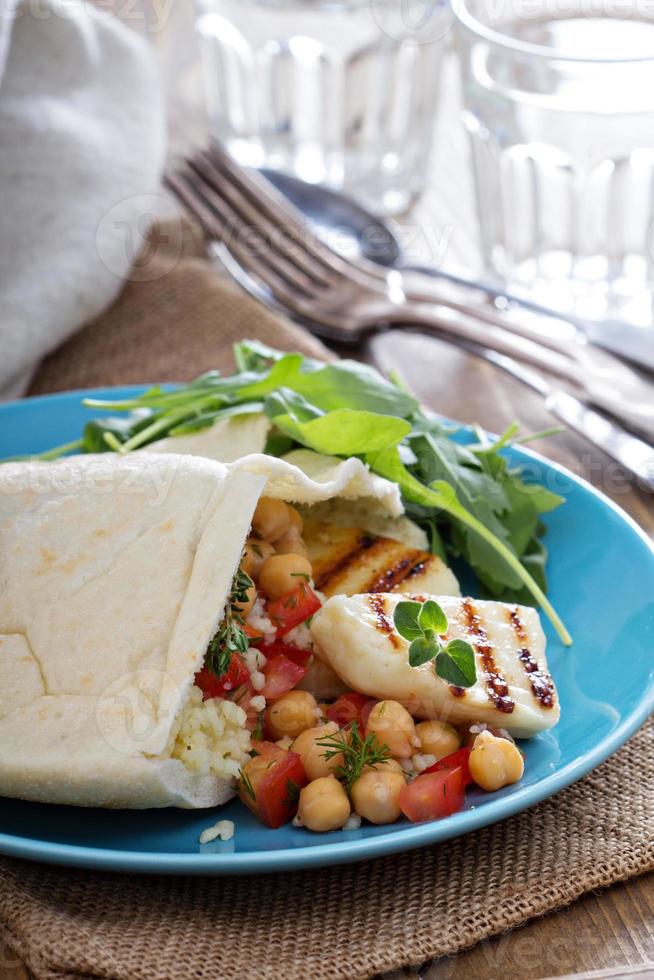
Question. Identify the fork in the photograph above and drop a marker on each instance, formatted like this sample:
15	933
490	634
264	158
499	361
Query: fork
636	456
345	301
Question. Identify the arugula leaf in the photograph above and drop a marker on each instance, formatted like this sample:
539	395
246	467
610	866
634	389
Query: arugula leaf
350	384
95	431
465	496
443	496
345	431
254	355
207	420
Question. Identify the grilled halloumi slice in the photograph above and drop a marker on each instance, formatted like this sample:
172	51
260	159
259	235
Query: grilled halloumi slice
355	636
349	560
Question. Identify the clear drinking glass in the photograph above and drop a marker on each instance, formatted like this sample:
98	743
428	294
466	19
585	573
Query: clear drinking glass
335	91
559	108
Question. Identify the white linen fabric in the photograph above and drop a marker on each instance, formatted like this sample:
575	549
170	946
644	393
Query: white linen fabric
81	150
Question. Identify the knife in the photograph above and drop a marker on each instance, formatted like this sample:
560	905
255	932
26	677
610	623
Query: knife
635	455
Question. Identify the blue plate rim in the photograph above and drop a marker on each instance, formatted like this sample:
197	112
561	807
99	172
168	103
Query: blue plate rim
285	859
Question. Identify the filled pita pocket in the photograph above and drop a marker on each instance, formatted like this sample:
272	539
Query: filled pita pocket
120	578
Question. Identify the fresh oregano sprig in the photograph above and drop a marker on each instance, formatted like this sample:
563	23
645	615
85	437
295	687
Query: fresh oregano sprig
423	624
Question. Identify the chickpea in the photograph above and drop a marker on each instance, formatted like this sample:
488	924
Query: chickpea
376	795
495	762
291	543
437	738
291	714
246	609
390	765
297	521
468	735
394	727
280	574
313	755
323	804
271	518
256	552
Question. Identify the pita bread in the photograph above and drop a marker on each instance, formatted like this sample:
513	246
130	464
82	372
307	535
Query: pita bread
114	576
328	478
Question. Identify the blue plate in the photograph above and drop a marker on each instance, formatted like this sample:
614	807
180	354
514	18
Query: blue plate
602	582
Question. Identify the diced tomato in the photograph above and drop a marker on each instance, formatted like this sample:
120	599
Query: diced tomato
242	696
433	795
351	707
221	687
454	760
254	636
282	675
270	784
298	656
268	750
294	608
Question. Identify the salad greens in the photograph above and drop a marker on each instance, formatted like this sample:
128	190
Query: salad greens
423	623
469	500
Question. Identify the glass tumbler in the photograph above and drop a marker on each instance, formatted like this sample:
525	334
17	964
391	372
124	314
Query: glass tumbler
559	108
336	91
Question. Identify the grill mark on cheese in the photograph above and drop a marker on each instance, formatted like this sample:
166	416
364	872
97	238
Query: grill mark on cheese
540	681
384	625
419	567
365	543
496	685
390	577
411	563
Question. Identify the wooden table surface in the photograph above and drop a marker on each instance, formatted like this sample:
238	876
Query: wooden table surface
610	934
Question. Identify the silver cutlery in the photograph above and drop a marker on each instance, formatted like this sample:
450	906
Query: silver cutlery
636	456
354	232
346	300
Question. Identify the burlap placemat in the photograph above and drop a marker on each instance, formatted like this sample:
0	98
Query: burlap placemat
340	922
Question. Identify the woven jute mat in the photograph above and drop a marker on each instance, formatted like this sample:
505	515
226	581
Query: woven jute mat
340	922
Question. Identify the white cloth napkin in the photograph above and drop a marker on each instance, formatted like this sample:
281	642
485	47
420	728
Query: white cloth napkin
81	150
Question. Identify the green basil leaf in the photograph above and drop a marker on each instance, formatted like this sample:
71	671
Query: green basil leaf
405	618
432	617
456	664
423	650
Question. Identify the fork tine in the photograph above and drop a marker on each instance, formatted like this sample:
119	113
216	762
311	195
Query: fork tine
248	245
341	320
289	240
193	192
331	308
279	209
245	219
176	182
264	194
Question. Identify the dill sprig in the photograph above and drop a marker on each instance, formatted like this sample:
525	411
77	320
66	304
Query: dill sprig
357	753
230	636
